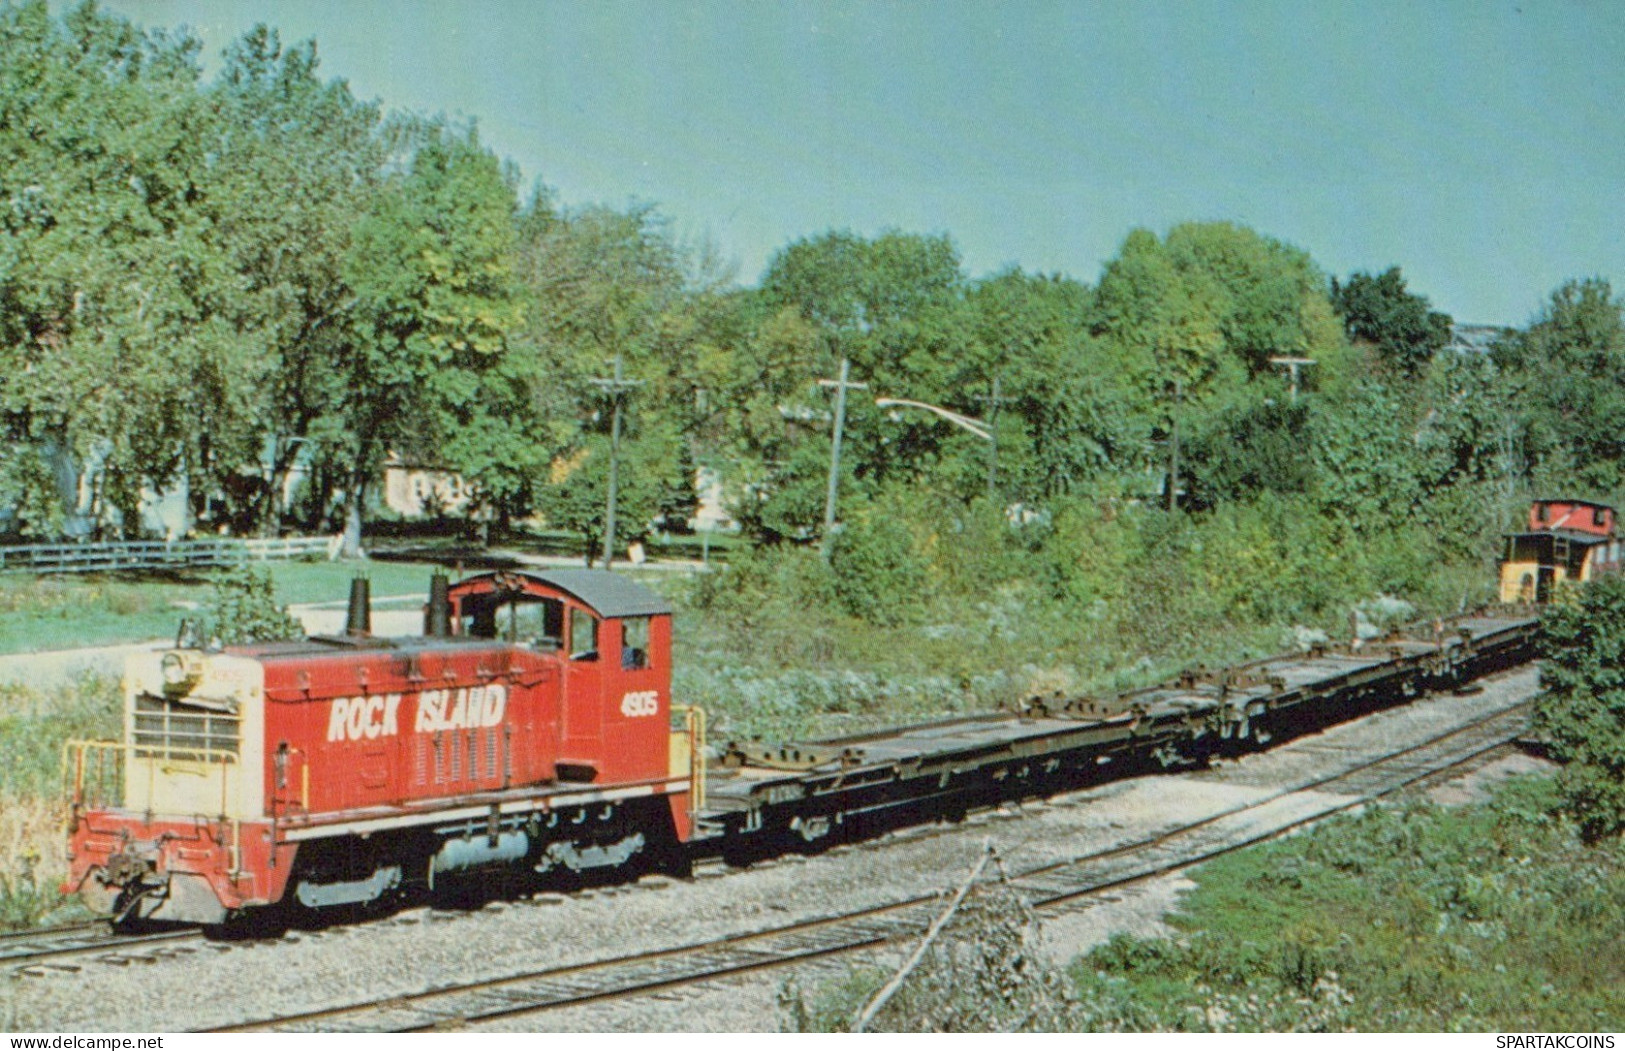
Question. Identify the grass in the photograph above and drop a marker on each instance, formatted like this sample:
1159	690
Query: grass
1493	917
66	612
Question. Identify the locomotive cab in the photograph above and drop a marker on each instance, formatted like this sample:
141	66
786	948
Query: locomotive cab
613	636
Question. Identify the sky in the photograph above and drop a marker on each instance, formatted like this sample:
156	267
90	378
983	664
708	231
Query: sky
1479	145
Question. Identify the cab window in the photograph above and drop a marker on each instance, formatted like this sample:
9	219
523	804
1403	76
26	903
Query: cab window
536	622
583	636
635	643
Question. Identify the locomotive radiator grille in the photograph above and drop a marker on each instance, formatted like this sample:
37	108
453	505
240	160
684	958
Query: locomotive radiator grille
172	729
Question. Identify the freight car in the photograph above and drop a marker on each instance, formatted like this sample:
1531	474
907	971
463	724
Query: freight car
1565	541
531	730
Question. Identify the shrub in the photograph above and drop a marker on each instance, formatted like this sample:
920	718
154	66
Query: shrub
879	577
243	609
1582	710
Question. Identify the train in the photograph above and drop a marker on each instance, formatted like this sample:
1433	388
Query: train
530	735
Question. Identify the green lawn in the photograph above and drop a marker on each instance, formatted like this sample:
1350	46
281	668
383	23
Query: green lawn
65	612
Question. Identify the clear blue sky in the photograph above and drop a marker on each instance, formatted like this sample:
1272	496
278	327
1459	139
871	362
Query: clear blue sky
1478	144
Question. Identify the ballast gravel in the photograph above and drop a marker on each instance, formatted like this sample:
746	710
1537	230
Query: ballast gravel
216	984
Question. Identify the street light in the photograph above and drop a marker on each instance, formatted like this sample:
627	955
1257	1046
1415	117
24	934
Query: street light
969	423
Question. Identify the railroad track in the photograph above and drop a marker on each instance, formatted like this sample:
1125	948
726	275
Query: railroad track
37	952
1053	887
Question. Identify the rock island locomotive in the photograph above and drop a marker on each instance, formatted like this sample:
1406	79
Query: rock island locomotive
527	728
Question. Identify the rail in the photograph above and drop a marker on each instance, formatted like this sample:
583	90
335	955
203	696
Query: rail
158	554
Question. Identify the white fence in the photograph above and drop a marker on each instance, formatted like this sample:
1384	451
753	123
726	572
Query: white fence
156	554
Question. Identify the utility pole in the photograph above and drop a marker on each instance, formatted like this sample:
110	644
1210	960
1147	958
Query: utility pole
616	387
992	401
840	386
1292	365
1173	459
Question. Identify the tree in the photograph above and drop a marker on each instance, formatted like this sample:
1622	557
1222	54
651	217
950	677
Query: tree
295	161
429	372
894	306
602	284
1570	366
575	496
1068	411
1379	310
1582	709
119	353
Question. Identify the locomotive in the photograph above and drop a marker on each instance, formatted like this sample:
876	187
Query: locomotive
527	729
530	733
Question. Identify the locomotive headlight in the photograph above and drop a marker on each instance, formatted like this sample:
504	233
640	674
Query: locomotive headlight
177	672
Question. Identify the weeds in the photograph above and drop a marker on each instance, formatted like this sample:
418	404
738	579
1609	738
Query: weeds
1493	917
982	975
34	725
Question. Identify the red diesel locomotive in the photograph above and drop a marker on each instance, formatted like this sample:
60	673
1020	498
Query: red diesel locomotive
529	729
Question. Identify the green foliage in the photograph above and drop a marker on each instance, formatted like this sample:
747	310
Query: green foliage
1583	708
1379	310
1570	368
30	503
1209	306
243	609
430	373
879	576
35	724
1408	918
576	495
1491	917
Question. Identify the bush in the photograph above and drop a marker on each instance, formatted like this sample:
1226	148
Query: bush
243	609
1412	917
34	725
1582	710
879	577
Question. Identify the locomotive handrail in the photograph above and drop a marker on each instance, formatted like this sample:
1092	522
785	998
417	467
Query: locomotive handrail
111	763
694	726
109	769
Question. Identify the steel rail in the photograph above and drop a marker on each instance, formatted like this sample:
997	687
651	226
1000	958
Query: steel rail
23	951
1050	886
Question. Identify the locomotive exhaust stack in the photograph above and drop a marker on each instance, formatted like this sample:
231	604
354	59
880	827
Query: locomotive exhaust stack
358	622
437	615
